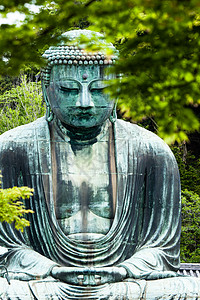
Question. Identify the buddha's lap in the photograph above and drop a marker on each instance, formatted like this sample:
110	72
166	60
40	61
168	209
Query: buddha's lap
187	287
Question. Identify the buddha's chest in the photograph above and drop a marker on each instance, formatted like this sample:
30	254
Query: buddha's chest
83	190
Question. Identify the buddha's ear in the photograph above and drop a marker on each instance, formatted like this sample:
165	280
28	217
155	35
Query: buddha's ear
49	113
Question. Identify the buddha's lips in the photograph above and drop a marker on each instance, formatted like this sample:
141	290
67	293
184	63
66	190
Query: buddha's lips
87	111
84	113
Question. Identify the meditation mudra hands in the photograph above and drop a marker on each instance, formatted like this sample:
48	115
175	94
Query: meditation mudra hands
89	276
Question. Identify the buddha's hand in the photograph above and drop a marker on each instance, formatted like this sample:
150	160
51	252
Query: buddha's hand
89	276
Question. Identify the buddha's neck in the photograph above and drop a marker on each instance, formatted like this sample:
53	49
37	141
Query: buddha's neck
80	134
86	136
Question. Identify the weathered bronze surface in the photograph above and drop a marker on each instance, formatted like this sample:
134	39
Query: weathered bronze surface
106	198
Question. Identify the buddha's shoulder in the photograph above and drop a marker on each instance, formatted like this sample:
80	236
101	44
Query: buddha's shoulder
25	132
133	132
127	128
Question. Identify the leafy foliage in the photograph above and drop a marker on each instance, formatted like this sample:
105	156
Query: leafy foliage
158	43
6	84
21	105
12	208
189	168
190	236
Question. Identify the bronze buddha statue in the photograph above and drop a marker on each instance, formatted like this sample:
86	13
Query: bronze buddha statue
106	192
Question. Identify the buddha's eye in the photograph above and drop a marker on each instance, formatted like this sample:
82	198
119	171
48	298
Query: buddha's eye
68	86
98	85
96	89
66	89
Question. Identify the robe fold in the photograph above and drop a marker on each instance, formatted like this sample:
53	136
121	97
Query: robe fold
144	237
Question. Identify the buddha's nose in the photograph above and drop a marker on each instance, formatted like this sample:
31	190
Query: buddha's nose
85	99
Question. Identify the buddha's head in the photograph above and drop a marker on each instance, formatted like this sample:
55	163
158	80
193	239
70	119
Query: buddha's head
74	82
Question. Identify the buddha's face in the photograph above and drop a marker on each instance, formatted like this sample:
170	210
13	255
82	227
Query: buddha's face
76	95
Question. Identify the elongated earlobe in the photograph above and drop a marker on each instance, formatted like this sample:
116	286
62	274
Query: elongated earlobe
113	116
49	113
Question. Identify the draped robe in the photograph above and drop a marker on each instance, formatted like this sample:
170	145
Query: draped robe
144	236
